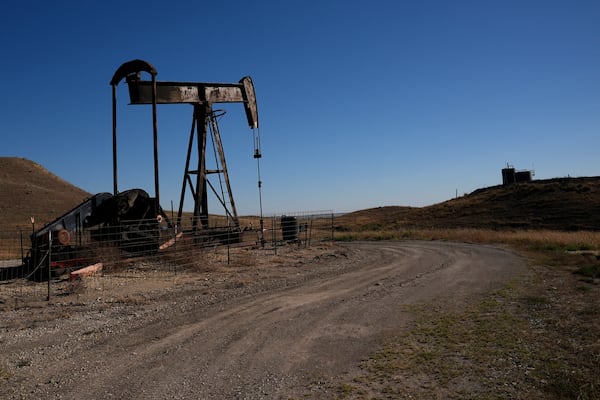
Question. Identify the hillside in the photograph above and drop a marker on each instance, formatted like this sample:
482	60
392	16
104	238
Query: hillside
28	189
560	204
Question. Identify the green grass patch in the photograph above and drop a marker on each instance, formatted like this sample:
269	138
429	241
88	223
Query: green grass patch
589	271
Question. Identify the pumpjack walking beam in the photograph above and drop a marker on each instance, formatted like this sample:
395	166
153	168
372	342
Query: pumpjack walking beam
202	96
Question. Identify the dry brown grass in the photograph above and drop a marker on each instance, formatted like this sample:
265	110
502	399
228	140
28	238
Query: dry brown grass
29	190
554	204
537	239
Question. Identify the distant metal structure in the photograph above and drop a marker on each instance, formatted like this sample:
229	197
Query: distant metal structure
201	96
511	175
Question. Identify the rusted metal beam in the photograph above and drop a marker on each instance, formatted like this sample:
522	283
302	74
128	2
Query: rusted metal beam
140	92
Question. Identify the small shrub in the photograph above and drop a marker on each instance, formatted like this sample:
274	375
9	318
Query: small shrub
588	271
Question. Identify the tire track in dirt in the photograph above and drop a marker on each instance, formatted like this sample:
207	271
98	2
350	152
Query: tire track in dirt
273	344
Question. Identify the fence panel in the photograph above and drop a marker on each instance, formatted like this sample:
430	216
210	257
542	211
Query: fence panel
102	264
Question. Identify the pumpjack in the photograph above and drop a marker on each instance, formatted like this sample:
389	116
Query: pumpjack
202	96
133	219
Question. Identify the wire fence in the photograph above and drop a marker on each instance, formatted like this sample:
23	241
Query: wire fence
102	261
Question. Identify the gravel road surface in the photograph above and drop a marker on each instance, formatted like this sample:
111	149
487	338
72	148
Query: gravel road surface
270	339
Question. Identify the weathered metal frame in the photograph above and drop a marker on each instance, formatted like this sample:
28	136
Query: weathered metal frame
126	70
202	96
141	92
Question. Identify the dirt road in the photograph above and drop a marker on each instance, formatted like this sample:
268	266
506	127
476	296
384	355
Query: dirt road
273	341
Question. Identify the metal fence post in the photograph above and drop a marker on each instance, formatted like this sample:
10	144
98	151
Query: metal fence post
22	250
273	233
49	261
228	242
332	226
174	239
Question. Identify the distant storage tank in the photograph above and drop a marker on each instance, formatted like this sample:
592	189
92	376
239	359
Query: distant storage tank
508	176
289	228
511	175
523	176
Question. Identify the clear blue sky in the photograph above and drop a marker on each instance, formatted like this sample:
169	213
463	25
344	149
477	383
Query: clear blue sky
361	104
